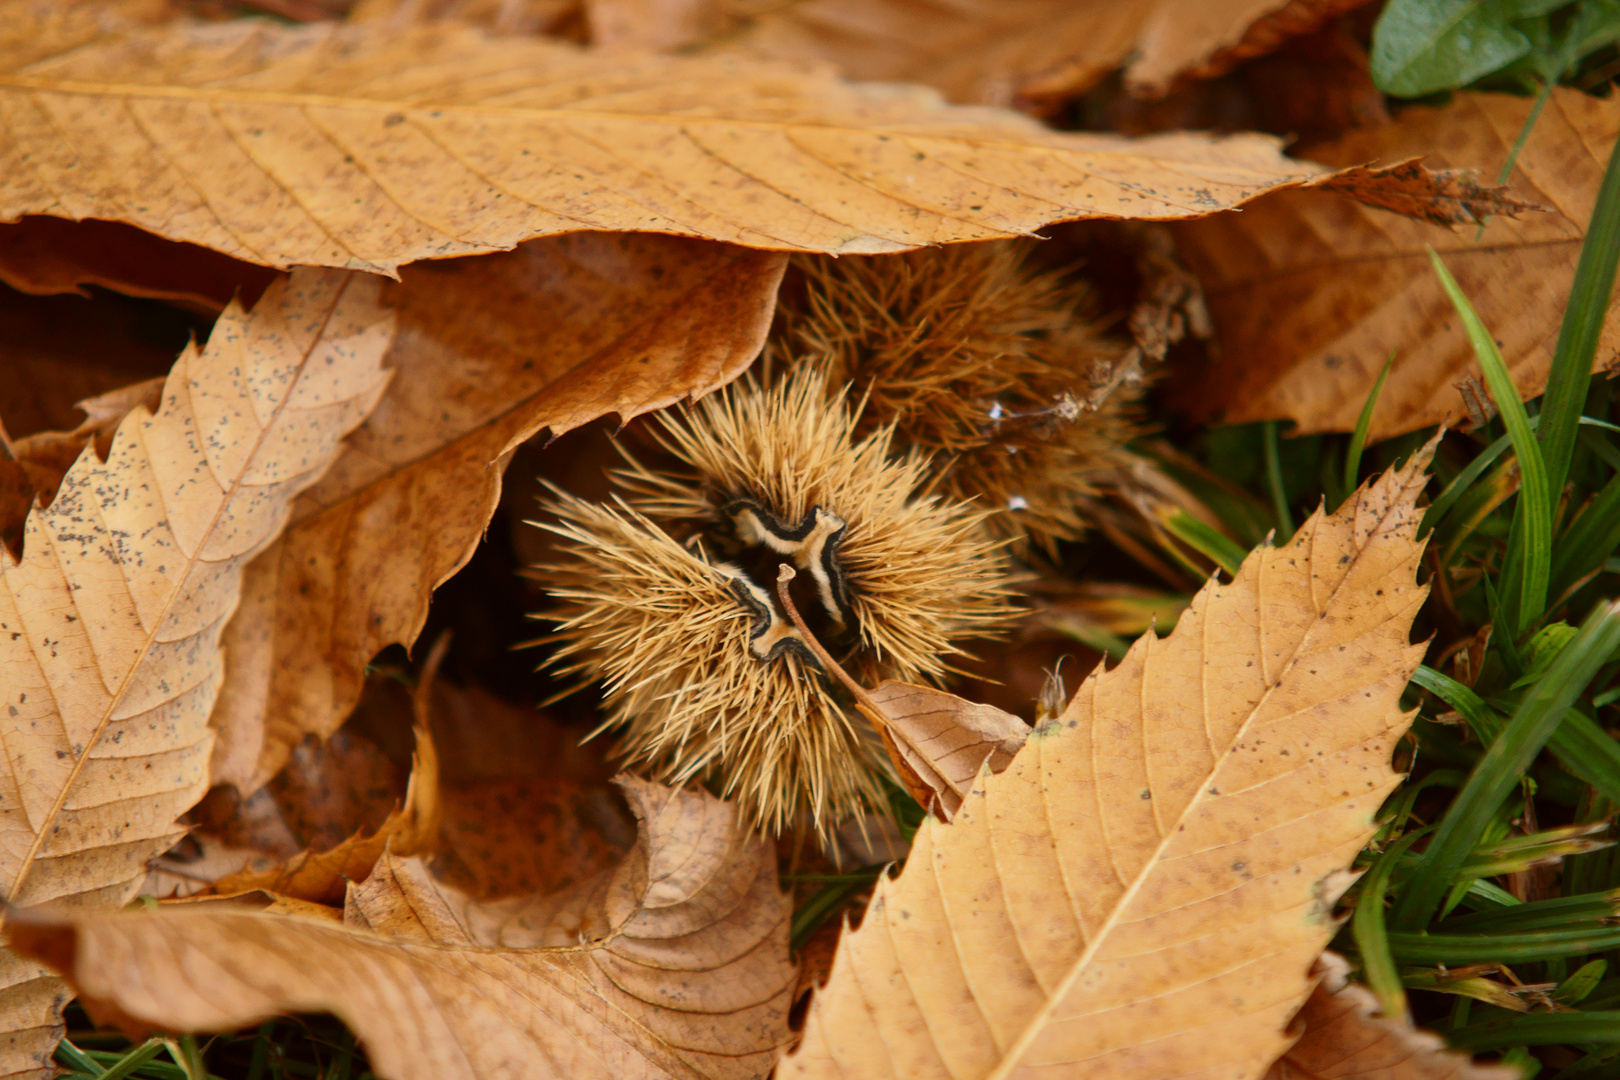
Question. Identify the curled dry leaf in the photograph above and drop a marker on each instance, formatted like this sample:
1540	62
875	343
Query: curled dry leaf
371	146
1310	297
673	965
1345	1037
490	351
47	256
941	740
321	876
1035	53
1144	889
110	622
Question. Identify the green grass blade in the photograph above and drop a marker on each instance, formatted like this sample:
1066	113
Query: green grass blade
1206	541
1542	709
825	902
1480	716
77	1060
1590	539
1461	485
1274	481
1372	936
1585	749
1571	372
1558	913
1539	1029
1358	439
1457	950
133	1060
1532	521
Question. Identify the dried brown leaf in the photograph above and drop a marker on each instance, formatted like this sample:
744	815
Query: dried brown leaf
1438	196
941	741
46	256
371	146
36	463
490	351
1035	53
1345	1037
110	623
1144	889
1310	297
323	876
662	25
674	965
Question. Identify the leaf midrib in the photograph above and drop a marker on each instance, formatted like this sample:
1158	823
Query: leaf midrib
1038	1020
30	858
1035	141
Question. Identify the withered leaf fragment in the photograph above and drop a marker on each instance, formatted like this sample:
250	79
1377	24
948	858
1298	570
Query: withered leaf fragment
1345	1037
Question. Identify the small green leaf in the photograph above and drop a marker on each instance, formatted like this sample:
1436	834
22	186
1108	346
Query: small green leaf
1358	440
1423	46
1580	985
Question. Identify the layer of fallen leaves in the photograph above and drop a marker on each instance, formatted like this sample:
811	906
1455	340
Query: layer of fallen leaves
673	965
489	352
1141	883
1310	297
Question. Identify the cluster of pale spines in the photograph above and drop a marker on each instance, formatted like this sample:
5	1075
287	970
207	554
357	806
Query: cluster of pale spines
649	609
979	361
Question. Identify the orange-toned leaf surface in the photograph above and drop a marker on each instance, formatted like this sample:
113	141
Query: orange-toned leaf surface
111	620
369	146
490	351
1145	888
673	965
1310	296
1031	52
1345	1037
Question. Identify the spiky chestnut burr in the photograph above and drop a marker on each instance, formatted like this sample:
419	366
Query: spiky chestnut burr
990	366
667	598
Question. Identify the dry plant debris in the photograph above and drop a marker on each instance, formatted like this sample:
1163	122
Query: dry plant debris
673	965
1145	886
503	239
1314	295
110	624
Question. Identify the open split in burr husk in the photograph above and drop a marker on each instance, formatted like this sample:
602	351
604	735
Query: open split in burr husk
666	597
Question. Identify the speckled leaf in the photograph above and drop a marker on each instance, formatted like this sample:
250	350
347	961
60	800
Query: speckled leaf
110	622
1142	892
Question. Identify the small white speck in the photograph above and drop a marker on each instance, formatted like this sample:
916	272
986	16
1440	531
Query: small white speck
995	411
1018	502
